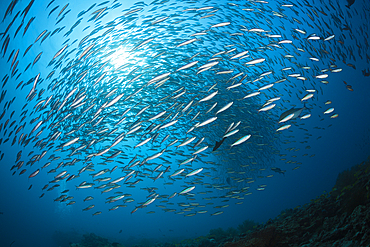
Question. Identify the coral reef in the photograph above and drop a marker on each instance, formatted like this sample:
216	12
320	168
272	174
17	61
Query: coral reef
340	218
247	226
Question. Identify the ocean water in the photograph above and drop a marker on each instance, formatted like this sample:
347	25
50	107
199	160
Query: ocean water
99	62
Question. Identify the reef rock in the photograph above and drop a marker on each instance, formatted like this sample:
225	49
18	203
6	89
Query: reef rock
340	218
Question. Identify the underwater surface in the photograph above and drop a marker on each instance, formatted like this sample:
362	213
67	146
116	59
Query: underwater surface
146	122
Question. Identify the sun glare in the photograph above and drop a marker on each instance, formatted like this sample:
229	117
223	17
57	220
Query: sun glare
123	56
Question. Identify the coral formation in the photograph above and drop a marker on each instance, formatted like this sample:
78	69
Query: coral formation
340	218
247	226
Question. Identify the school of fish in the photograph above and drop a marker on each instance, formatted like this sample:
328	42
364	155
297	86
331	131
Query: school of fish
189	101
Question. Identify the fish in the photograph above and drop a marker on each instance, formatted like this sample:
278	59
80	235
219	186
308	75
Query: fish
306	116
217	213
230	133
187	66
241	140
266	108
251	95
222	24
34	173
227	106
255	61
287	118
177	172
307	97
330	110
186	43
210	120
28	25
295	111
284	127
192	173
187	190
278	170
209	96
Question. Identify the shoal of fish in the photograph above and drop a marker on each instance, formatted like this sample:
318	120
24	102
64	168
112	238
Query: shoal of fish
187	101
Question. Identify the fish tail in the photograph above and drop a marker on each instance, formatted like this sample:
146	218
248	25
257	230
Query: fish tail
305	107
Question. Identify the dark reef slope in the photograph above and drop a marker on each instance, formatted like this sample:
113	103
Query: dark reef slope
339	218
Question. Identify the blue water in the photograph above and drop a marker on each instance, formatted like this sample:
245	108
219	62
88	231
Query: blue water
335	144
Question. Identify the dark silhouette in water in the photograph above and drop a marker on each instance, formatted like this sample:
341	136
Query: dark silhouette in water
278	170
295	111
218	144
350	2
366	73
346	27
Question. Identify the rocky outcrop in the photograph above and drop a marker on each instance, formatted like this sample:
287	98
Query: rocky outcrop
340	218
